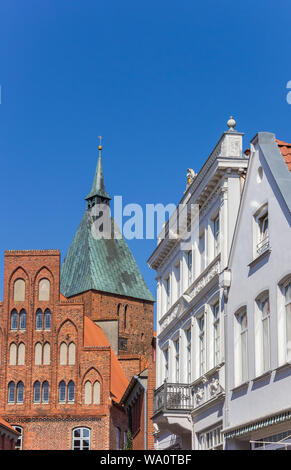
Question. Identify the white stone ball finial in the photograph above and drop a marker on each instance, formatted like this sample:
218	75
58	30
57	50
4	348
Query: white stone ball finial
231	123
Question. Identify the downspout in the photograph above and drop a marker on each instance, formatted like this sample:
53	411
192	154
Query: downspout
145	413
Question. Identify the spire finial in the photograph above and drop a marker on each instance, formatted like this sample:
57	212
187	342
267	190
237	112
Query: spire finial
231	123
100	142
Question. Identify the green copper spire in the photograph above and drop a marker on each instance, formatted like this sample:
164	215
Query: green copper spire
98	189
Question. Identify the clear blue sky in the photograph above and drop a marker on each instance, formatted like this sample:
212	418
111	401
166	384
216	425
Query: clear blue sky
157	79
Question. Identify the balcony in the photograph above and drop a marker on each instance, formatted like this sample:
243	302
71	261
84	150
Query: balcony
172	398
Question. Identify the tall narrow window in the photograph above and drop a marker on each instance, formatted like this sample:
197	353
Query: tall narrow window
38	354
189	266
265	312
12	354
71	391
88	393
19	290
125	317
166	362
46	354
177	360
72	354
22	320
44	290
63	354
36	392
168	292
14	320
244	345
96	393
20	392
216	235
288	319
202	251
201	325
62	392
216	334
21	354
188	338
263	228
11	392
38	320
47	319
45	392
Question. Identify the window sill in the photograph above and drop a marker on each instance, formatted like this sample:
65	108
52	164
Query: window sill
262	376
240	386
282	367
259	258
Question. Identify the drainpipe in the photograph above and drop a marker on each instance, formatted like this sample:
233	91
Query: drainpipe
145	413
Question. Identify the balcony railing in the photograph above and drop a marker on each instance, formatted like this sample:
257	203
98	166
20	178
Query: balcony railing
171	397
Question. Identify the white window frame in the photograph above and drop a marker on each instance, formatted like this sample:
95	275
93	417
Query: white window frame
265	349
216	333
176	343
202	344
216	234
211	439
287	305
188	336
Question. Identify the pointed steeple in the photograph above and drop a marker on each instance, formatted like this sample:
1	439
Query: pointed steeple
98	193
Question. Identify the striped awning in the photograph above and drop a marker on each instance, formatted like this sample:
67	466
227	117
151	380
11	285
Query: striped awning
256	426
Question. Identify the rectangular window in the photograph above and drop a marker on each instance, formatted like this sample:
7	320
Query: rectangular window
211	440
216	334
216	236
166	359
177	360
264	306
288	319
189	266
202	251
201	325
168	292
244	346
263	230
188	338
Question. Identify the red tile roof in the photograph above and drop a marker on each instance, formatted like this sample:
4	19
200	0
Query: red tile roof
94	336
7	425
285	149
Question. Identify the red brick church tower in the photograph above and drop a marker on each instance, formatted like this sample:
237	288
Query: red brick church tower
72	339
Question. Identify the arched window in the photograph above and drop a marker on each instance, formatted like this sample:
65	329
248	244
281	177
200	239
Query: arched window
12	354
46	354
96	393
45	392
21	354
11	392
63	354
19	290
44	289
14	320
22	320
38	354
38	320
72	354
88	393
118	309
20	392
36	392
47	320
62	392
71	391
81	439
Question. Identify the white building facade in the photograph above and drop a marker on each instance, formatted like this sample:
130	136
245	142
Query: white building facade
257	412
190	385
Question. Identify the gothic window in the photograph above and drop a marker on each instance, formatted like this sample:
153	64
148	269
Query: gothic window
20	392
45	392
22	320
96	393
38	320
12	354
63	354
72	354
88	393
62	392
44	290
21	354
38	354
14	320
46	354
47	320
81	439
19	290
36	392
125	317
11	392
71	391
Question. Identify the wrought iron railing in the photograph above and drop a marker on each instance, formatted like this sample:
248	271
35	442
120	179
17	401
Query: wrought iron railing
172	396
